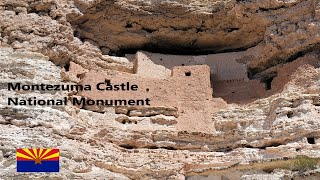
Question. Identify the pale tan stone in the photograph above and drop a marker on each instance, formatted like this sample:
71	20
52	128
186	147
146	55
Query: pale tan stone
143	66
186	133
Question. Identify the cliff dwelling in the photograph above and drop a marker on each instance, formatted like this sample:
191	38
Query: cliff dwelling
184	87
219	89
229	76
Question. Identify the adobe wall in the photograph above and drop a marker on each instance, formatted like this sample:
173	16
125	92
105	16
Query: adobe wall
160	91
250	90
239	91
223	66
187	89
194	95
180	86
229	77
190	92
143	66
192	83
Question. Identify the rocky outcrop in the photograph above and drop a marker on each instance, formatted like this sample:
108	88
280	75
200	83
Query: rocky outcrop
78	41
272	32
42	26
272	128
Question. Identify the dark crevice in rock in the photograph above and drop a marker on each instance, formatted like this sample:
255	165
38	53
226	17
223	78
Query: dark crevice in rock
127	121
67	66
152	147
272	144
76	34
129	25
297	55
41	13
247	146
148	30
127	146
290	114
311	140
225	150
232	29
272	9
267	80
169	49
169	148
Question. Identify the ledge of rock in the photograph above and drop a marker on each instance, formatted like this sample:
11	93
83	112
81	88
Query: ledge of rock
234	87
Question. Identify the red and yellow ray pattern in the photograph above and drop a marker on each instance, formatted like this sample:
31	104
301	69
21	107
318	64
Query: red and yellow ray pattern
38	154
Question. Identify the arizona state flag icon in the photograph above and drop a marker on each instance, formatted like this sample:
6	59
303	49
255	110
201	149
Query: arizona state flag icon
38	160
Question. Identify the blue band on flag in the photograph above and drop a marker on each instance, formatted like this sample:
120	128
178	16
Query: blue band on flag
30	166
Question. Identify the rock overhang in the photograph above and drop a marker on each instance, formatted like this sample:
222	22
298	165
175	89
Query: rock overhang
241	133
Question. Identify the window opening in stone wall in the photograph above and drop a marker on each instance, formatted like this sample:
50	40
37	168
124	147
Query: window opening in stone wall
311	140
268	83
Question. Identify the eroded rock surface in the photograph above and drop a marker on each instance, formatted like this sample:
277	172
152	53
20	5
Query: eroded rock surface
75	41
108	145
272	31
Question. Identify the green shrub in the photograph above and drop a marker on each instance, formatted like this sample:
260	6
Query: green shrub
304	163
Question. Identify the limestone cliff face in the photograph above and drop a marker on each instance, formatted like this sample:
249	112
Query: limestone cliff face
269	47
271	31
